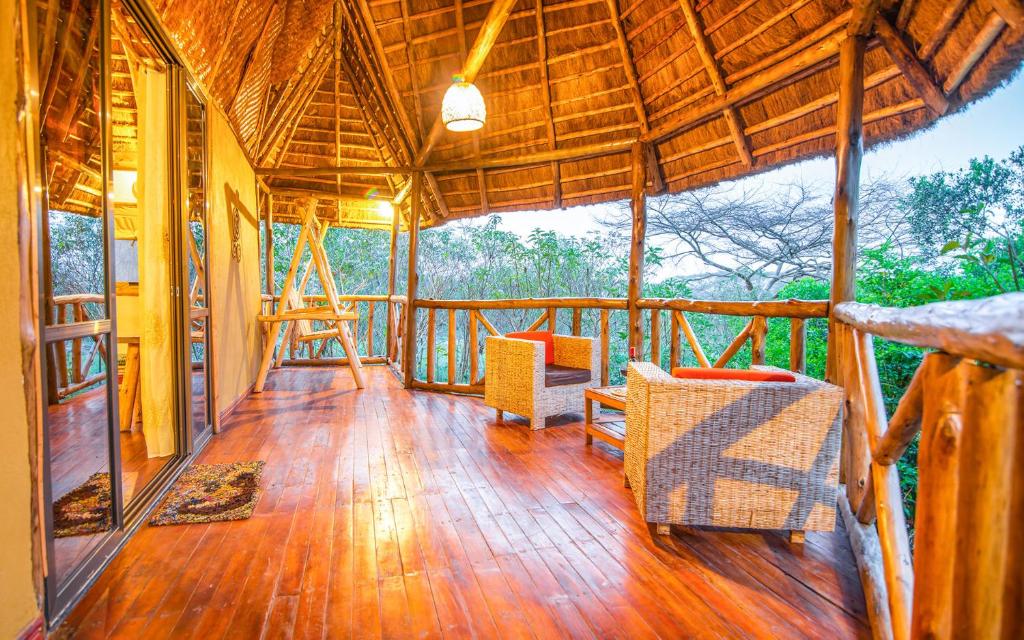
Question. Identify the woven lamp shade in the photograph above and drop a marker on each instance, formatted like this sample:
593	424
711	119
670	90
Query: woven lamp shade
462	108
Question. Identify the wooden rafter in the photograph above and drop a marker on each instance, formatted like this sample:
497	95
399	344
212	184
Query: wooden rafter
337	96
653	169
993	26
707	56
911	67
549	121
387	88
1012	11
474	61
75	91
954	9
481	182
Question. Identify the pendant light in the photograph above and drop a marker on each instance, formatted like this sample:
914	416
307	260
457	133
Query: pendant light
462	108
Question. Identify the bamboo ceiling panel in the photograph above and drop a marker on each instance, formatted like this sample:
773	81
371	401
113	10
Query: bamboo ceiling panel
719	88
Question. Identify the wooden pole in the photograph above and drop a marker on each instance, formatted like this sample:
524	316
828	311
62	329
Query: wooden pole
797	345
390	338
416	208
268	239
849	150
636	247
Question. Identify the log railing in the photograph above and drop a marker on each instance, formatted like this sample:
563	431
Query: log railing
964	576
75	365
454	332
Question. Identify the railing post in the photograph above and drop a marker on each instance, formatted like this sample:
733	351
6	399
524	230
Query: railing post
268	237
390	338
758	333
415	207
849	150
636	247
797	345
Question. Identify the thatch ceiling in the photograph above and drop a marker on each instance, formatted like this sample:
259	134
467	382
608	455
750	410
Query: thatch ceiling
721	88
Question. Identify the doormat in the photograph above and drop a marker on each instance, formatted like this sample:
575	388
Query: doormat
84	510
212	493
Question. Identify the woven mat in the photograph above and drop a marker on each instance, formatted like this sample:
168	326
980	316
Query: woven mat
84	510
212	493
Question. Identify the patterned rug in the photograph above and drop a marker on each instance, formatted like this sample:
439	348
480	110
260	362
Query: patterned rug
212	493
84	510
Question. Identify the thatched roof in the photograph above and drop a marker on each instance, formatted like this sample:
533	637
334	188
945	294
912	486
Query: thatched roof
720	88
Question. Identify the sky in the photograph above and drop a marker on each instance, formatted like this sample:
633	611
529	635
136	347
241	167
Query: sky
993	126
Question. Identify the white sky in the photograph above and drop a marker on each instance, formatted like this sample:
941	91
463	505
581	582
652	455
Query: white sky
993	127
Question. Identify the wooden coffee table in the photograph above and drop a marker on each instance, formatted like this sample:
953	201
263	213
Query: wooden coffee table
612	429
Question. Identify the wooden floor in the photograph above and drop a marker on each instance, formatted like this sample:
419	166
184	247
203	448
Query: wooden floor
395	514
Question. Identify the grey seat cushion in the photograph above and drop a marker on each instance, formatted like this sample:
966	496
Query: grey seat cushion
556	375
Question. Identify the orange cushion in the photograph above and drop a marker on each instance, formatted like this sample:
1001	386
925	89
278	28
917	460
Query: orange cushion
538	336
702	373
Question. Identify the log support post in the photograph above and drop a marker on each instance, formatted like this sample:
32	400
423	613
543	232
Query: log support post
268	238
390	338
849	150
638	203
409	345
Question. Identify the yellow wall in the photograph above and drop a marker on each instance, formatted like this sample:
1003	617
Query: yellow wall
17	593
234	284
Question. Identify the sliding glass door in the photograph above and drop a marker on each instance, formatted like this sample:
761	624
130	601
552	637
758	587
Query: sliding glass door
124	315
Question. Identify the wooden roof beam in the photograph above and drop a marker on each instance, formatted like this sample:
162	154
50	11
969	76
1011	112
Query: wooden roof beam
975	51
549	121
703	46
650	155
485	39
911	67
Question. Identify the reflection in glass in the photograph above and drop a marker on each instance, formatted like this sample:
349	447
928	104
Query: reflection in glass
79	439
140	181
196	250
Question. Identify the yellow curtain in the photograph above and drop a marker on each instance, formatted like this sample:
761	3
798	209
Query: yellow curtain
156	357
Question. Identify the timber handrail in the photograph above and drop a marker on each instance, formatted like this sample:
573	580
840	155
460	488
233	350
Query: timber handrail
991	329
792	308
964	400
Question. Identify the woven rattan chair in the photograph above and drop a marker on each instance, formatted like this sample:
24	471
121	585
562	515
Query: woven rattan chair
517	380
727	453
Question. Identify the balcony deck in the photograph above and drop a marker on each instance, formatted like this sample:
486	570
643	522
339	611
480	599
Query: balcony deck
390	513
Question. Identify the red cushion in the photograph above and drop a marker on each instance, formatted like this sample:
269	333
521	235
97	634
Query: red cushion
539	336
702	373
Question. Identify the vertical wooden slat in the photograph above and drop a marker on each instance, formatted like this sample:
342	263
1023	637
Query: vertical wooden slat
797	345
856	450
416	207
369	328
849	150
76	346
430	344
61	349
987	451
938	463
604	347
391	336
577	321
451	346
474	366
638	203
553	320
656	336
757	340
673	354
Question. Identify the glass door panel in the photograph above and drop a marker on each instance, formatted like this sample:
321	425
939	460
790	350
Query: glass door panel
79	449
141	200
196	251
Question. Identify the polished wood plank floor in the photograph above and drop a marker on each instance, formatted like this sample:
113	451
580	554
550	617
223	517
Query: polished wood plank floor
399	514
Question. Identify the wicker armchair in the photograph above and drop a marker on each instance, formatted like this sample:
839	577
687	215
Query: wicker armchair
517	381
727	453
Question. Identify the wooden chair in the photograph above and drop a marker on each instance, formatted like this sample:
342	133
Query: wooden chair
290	308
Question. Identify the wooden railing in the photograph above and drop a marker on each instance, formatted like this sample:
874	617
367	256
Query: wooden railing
966	574
73	369
461	323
